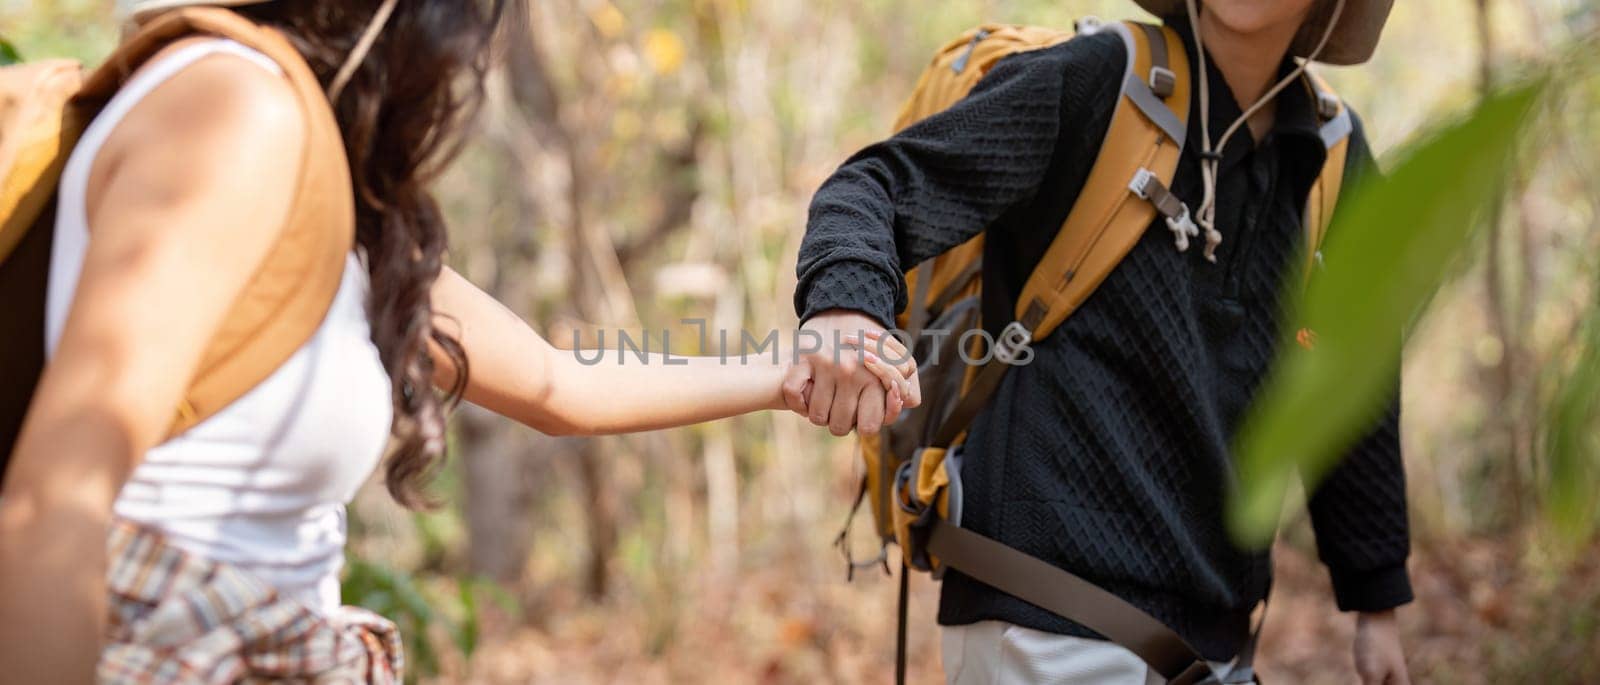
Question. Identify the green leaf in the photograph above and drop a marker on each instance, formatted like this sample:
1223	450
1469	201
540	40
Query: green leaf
1573	445
466	631
397	597
1391	246
8	53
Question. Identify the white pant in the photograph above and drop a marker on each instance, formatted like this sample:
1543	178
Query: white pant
996	653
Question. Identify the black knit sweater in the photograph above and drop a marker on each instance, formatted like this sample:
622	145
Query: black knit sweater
1109	454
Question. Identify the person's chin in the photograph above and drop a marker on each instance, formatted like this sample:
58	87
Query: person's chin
1248	17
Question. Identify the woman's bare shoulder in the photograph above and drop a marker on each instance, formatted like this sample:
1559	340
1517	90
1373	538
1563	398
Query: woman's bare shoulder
205	166
222	107
222	132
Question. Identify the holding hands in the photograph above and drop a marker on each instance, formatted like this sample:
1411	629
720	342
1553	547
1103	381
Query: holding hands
861	377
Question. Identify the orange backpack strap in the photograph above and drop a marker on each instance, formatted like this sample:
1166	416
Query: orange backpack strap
1324	197
1125	192
37	131
290	293
1126	187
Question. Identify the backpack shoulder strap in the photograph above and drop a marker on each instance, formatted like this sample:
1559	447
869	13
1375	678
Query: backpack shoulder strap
1337	126
1136	163
1119	199
290	293
39	130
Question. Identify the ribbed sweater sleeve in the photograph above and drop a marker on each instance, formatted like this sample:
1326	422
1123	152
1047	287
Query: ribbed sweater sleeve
1359	510
936	184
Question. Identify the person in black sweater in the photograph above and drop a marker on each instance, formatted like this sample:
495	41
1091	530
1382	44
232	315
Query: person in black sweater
1109	455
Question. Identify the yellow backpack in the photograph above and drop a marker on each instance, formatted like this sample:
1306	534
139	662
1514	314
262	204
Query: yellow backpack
912	482
45	106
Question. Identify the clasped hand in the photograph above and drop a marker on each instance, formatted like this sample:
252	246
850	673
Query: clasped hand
861	378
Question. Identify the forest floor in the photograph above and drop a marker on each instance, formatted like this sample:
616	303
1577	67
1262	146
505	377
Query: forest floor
1482	616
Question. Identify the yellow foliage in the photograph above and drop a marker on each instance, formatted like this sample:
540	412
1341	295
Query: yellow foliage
664	50
608	20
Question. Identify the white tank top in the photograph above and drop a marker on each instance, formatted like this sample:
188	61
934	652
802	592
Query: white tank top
262	484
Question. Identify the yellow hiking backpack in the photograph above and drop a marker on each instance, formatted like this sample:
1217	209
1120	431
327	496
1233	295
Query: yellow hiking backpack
912	481
46	105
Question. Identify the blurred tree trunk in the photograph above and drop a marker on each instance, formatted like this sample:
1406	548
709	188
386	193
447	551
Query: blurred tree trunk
596	294
573	126
1508	390
500	480
601	501
502	467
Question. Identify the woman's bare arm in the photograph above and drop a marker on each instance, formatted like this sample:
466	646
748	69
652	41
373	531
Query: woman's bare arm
183	204
518	374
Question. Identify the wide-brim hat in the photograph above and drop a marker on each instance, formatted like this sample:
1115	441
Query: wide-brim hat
144	8
1353	40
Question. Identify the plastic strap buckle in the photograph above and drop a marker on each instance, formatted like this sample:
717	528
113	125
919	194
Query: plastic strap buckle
1147	187
1183	228
1140	185
960	64
1163	82
1327	105
905	489
1013	340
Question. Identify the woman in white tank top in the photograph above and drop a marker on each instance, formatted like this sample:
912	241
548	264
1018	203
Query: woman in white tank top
181	180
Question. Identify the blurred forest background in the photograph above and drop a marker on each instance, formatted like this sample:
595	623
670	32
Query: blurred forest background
644	161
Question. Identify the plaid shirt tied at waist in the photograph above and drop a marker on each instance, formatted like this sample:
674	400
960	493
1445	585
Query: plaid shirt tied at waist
179	618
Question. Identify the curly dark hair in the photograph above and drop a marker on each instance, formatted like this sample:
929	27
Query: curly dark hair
402	116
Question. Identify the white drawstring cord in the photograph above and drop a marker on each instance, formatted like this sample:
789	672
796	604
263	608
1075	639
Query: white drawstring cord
359	52
1210	159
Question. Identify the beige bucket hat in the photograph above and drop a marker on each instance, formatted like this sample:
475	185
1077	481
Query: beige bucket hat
140	8
1353	39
